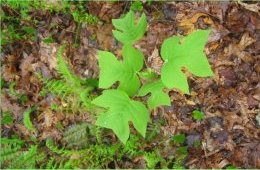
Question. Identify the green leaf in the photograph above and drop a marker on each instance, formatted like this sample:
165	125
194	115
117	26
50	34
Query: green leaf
158	97
178	52
112	70
7	118
232	167
182	150
2	82
29	30
63	68
27	120
48	40
197	115
121	110
180	138
136	6
148	75
127	32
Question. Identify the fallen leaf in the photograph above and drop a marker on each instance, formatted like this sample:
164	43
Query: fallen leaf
48	54
188	24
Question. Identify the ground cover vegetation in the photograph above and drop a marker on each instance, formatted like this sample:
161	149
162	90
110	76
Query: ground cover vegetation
129	85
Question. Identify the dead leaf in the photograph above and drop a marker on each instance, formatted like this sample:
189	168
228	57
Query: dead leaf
238	49
105	39
188	24
48	54
251	7
26	65
155	61
105	10
222	164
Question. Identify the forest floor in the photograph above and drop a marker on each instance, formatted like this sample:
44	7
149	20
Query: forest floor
227	136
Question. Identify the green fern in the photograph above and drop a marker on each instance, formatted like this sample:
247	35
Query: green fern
152	158
64	71
58	87
58	164
77	135
26	160
132	147
27	120
70	88
50	144
98	133
93	156
81	135
9	149
50	163
14	157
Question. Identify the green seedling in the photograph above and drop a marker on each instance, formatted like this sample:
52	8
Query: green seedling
177	52
179	139
197	115
136	6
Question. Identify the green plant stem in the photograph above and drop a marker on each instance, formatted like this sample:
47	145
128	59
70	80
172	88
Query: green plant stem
78	29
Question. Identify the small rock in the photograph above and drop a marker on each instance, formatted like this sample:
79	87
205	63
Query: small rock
190	139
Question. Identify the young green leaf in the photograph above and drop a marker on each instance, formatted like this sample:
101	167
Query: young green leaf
136	6
180	138
197	115
178	52
121	110
183	150
148	75
232	167
127	31
112	70
158	97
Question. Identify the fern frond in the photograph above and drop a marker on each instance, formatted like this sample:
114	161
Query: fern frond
98	134
27	120
70	88
63	69
77	135
25	160
12	141
94	156
50	163
178	163
50	144
132	146
59	87
9	148
84	98
8	153
152	158
53	148
59	164
14	157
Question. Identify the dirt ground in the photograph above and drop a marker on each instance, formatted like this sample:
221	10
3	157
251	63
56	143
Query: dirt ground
229	133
